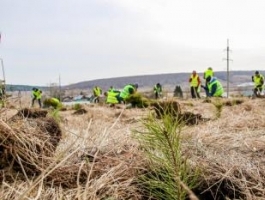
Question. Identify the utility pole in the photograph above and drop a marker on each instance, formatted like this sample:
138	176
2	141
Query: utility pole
3	69
2	62
3	82
227	69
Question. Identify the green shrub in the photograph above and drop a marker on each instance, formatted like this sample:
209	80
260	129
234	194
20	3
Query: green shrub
169	175
137	100
77	106
55	115
219	107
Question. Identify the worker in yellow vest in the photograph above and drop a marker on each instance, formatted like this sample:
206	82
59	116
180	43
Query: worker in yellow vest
97	92
112	97
36	95
258	80
195	83
208	72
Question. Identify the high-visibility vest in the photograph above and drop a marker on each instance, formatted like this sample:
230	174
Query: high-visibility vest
37	94
194	80
157	89
219	90
125	92
207	73
257	80
97	91
56	102
112	97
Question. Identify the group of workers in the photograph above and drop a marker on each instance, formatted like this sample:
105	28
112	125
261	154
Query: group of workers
37	96
114	96
213	87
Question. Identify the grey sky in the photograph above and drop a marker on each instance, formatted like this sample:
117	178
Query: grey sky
92	39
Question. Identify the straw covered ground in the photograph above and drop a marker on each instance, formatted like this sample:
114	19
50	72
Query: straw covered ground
91	154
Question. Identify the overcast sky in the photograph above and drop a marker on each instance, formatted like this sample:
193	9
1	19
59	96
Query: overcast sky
81	40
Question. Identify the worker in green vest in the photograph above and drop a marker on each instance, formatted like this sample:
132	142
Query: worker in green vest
215	88
158	90
206	74
36	95
127	91
258	80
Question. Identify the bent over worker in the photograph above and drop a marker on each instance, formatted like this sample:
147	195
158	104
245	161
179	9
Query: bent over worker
214	87
52	102
112	97
127	91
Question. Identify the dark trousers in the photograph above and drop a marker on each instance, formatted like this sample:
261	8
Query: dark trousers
33	100
156	95
194	92
258	90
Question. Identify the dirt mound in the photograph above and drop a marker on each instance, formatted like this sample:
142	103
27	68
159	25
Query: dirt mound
190	118
31	113
98	164
28	145
80	111
173	108
166	108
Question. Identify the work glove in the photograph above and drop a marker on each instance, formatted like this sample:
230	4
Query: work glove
199	89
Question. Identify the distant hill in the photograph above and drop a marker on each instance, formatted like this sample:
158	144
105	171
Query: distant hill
23	87
147	81
169	80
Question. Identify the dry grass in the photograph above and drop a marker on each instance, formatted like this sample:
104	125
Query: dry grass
97	158
230	151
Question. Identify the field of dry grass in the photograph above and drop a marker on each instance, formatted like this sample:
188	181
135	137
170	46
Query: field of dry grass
97	157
